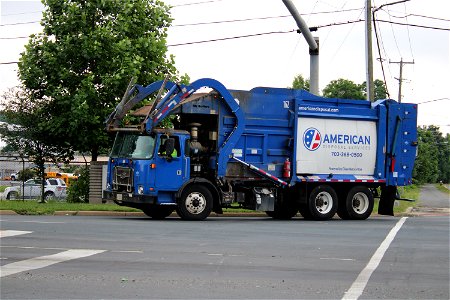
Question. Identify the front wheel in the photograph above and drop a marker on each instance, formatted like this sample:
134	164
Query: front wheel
322	202
158	212
195	203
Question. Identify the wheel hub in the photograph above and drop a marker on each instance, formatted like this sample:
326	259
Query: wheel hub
195	203
360	203
324	203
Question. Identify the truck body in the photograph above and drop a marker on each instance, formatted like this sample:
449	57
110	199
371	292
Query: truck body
281	151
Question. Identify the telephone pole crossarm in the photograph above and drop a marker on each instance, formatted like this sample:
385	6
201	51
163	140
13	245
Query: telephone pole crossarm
400	77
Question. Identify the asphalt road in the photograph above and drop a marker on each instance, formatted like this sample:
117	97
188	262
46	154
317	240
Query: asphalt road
430	196
226	258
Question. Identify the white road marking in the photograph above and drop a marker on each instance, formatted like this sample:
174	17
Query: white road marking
360	283
35	222
45	261
6	233
336	258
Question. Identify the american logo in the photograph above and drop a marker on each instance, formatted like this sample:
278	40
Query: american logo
311	139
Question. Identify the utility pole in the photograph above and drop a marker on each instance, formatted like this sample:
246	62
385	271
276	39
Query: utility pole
400	78
369	57
313	47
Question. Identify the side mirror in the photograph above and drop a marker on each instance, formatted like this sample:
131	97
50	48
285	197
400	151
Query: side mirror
170	146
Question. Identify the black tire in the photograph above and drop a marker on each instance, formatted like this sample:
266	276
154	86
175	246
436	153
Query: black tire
49	196
359	203
342	210
158	212
283	212
12	196
304	211
270	214
195	203
322	203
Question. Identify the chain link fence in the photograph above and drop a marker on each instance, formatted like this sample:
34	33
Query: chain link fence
16	170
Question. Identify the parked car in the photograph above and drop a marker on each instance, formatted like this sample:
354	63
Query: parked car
12	177
54	188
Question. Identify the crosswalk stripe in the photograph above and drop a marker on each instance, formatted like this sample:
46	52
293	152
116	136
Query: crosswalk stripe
6	233
45	261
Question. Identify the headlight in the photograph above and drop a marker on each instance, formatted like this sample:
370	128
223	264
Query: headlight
140	190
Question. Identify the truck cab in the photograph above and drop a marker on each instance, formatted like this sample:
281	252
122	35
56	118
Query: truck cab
148	168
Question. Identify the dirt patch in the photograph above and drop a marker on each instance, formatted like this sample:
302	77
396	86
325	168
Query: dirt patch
428	211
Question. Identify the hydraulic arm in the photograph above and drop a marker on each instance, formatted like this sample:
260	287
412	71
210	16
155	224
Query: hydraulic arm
173	98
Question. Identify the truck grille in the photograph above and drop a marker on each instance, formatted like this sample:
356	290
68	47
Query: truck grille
123	179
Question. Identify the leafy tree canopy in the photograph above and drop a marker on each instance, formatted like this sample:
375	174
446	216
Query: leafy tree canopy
433	159
380	90
300	83
343	88
78	68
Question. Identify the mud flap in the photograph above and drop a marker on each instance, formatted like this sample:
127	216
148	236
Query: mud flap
387	198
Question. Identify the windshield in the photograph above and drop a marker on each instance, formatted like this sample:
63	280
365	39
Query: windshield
131	145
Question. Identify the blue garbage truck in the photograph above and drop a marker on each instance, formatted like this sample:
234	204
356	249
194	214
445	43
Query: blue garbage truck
199	148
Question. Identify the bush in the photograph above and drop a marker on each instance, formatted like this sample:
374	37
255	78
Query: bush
78	191
26	174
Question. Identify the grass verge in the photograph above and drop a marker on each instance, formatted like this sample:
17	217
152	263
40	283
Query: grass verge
407	192
442	188
33	207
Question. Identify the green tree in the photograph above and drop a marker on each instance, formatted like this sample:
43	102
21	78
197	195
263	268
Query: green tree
300	83
79	67
26	136
432	163
380	90
343	88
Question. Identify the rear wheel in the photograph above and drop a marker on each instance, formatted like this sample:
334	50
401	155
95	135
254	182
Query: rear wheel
359	203
12	196
322	202
49	196
195	203
284	211
158	212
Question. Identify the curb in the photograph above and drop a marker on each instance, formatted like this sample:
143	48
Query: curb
97	213
7	212
130	214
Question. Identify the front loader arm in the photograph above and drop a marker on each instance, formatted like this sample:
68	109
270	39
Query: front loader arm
114	119
179	93
173	98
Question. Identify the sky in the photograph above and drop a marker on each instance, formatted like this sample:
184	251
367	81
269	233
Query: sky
272	53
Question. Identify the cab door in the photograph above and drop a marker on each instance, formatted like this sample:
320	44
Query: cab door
169	169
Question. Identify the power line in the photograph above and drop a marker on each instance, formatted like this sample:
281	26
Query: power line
23	13
319	26
263	18
9	63
22	23
14	38
230	38
434	100
379	52
415	25
416	15
196	3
